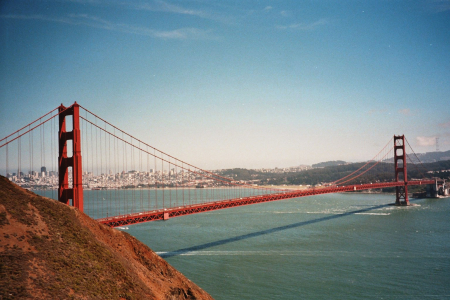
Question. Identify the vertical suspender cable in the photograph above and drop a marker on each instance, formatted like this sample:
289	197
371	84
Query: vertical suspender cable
40	147
148	180
182	181
92	171
170	186
7	163
140	175
118	176
162	177
124	156
96	167
176	185
53	138
116	211
43	144
30	154
52	158
132	167
88	147
156	183
100	191
19	146
109	173
195	196
189	185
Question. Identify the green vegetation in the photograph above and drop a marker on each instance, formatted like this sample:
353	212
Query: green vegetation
329	164
380	173
241	174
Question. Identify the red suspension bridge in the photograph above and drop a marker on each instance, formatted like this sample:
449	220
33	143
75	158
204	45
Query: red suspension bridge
119	180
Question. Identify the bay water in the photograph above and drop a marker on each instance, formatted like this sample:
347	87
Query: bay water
336	246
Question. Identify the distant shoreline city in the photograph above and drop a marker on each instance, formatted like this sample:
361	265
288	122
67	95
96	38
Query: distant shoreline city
48	180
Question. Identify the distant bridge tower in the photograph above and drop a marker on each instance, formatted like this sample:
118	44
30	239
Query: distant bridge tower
400	167
64	192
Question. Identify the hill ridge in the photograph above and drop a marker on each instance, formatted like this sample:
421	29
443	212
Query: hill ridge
49	250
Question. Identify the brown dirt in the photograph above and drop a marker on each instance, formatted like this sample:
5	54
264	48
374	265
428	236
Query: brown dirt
52	251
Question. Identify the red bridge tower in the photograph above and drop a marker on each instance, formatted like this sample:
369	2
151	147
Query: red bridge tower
64	192
400	167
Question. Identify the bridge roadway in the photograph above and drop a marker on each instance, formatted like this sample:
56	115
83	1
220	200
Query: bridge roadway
164	214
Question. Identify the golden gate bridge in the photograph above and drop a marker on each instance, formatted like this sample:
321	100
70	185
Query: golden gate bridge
119	180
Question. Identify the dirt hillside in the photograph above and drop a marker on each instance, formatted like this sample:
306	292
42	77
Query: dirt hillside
51	251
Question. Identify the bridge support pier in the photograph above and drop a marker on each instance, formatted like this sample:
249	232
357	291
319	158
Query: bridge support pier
401	194
64	163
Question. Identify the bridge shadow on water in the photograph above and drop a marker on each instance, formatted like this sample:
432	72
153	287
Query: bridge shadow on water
267	231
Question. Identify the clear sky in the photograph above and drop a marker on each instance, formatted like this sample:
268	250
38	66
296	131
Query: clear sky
224	84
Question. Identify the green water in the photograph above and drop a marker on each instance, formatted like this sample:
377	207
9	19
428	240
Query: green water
340	246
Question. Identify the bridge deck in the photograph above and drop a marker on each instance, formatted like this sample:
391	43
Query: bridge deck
164	214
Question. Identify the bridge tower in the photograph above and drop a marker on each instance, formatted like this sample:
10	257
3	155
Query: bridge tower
400	167
64	192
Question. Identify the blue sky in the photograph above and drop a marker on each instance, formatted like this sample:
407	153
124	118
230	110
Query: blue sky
224	84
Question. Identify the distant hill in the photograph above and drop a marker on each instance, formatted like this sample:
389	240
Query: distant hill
381	172
329	164
49	250
239	173
430	157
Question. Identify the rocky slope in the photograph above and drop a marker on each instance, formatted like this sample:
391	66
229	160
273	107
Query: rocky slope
51	251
